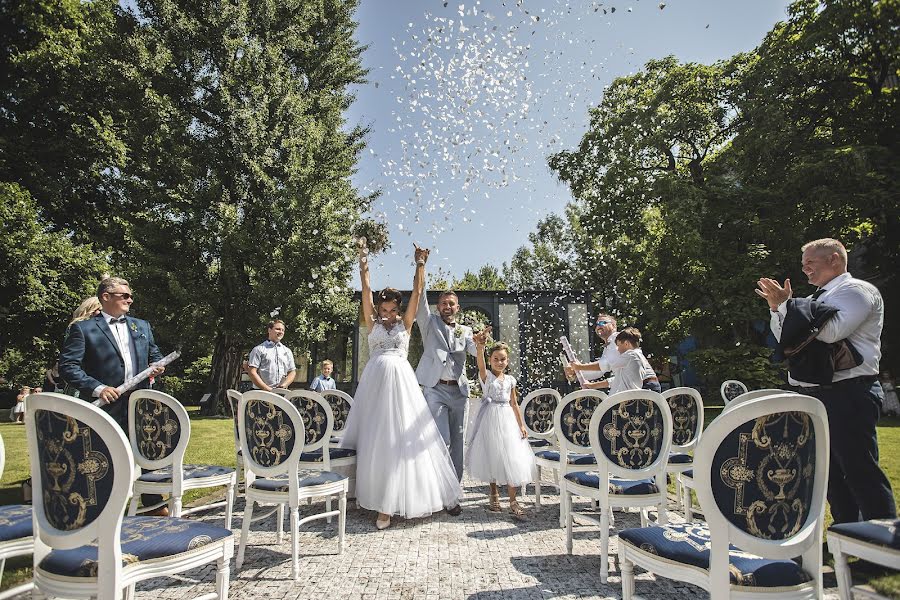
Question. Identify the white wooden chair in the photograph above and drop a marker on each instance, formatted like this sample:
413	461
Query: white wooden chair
341	402
537	410
15	533
731	389
877	541
686	477
686	405
631	435
570	422
761	471
83	473
159	429
272	441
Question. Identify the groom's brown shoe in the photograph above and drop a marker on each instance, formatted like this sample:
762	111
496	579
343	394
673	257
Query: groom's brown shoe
455	511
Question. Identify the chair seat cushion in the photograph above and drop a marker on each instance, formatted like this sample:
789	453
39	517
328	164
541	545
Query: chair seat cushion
881	532
689	544
624	487
15	522
538	443
143	538
333	453
677	458
305	479
574	459
164	475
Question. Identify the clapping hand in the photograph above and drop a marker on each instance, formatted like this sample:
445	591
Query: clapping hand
421	254
772	291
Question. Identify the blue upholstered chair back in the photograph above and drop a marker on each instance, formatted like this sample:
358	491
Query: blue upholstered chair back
686	405
731	389
82	470
340	403
271	433
633	434
318	421
159	429
538	409
573	418
761	471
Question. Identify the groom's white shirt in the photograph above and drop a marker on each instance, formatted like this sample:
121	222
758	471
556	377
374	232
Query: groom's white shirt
444	349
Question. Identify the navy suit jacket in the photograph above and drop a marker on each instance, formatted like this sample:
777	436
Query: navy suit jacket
91	357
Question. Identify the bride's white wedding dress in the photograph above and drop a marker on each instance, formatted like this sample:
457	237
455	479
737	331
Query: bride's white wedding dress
402	465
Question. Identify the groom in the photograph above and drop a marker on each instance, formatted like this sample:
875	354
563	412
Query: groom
442	370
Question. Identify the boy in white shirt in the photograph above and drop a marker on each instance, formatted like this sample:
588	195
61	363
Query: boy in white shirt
631	371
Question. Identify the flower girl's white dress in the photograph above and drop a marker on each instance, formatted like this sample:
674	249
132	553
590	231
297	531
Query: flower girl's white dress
497	451
402	464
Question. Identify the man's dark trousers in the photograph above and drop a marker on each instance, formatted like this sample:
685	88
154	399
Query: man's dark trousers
857	487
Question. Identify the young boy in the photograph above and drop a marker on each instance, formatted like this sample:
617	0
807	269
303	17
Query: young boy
631	371
324	381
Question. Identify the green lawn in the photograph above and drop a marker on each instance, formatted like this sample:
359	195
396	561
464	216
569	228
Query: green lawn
211	443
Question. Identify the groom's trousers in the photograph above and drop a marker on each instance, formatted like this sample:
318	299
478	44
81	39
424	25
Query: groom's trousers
448	407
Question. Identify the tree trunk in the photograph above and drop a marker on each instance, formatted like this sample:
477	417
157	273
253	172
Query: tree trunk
225	373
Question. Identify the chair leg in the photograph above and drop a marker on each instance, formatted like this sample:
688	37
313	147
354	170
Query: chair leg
328	509
175	502
129	592
537	487
677	491
662	517
280	518
841	569
643	517
342	520
229	501
223	576
604	544
570	518
133	506
688	504
245	534
626	567
295	543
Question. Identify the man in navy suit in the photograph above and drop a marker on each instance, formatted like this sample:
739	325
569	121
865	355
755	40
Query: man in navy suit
100	353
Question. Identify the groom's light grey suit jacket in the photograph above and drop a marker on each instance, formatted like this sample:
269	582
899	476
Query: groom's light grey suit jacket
441	349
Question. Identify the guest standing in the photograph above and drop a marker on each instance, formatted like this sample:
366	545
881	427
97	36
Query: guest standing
857	487
271	364
324	381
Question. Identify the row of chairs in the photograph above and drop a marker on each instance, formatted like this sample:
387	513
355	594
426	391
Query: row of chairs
85	470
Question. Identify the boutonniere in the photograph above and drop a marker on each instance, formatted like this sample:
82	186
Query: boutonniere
458	332
133	326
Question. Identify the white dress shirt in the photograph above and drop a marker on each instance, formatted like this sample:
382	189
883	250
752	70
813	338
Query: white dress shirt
859	320
630	371
608	360
125	344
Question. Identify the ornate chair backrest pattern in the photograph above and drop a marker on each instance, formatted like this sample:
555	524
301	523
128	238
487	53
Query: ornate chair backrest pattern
631	435
83	475
159	429
731	389
340	403
234	398
270	432
318	421
761	470
686	405
537	411
752	395
572	420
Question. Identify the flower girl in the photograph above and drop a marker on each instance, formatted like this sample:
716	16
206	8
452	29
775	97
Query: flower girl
499	452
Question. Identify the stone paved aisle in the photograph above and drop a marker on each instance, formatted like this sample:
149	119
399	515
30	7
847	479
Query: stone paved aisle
478	555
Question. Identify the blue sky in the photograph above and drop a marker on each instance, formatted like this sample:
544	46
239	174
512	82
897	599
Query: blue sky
466	100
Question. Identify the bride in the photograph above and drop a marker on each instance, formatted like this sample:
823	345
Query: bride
402	464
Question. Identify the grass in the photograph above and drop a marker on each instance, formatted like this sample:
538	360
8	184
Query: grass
211	443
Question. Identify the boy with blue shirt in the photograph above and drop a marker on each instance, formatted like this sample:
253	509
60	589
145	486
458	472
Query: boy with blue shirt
324	381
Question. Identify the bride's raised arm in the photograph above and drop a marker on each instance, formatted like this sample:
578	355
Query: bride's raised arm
421	255
368	307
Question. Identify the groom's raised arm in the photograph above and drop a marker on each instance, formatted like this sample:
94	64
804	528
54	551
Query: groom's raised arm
423	314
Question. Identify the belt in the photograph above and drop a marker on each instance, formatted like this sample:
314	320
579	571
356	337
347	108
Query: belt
448	381
868	379
651	379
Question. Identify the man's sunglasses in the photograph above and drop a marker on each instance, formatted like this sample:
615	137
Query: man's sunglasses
125	295
601	323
